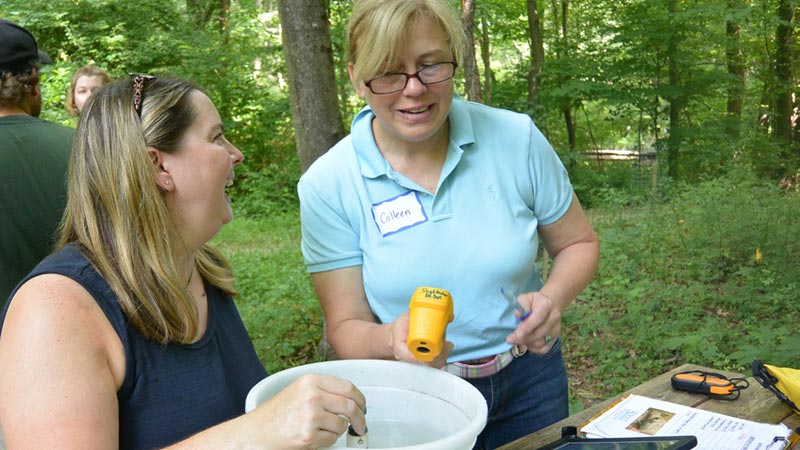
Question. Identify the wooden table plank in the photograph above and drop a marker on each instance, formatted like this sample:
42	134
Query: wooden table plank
793	421
755	403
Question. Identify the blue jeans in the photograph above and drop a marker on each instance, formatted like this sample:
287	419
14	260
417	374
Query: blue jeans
529	394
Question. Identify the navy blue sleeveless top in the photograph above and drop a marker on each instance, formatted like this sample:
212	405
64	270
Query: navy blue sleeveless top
170	393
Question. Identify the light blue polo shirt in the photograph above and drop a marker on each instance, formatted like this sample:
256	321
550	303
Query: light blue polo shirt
500	181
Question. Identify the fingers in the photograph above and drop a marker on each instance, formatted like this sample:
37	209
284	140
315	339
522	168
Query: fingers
312	412
441	360
343	389
345	401
539	331
538	342
399	343
398	336
329	427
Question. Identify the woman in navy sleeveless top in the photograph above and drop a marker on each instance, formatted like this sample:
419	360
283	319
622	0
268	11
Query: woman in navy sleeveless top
127	336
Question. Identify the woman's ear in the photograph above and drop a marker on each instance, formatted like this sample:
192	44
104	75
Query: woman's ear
360	88
162	175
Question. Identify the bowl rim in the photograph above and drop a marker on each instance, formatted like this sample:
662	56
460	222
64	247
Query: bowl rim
475	400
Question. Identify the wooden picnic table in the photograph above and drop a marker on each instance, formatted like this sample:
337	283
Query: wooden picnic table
755	403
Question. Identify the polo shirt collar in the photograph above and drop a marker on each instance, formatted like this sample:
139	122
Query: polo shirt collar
461	129
374	165
372	162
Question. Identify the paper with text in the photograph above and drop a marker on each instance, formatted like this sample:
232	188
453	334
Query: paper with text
636	415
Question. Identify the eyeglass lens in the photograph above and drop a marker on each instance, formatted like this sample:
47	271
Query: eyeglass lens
394	82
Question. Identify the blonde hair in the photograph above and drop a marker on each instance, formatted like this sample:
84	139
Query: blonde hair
378	31
89	70
119	216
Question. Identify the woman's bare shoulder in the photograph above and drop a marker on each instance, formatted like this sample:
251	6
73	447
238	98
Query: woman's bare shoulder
61	358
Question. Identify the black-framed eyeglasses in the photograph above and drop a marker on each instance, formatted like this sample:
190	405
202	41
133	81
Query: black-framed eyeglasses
138	80
427	75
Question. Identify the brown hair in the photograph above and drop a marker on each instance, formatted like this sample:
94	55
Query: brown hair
89	70
14	87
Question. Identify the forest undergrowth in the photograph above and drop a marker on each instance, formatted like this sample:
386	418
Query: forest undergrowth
709	276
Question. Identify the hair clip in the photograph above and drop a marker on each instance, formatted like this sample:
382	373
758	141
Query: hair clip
138	89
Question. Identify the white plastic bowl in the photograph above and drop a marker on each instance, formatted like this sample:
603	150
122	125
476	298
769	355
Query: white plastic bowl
409	406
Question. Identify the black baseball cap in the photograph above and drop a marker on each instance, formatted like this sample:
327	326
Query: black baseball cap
18	49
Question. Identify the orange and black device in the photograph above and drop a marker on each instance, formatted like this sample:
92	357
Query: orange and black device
709	383
431	309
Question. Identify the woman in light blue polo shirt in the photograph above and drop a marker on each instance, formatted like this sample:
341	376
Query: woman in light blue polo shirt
431	190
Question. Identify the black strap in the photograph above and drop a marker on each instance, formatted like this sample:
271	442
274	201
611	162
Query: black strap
708	382
764	378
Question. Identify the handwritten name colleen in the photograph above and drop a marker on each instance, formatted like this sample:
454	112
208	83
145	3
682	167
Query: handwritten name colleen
388	216
398	213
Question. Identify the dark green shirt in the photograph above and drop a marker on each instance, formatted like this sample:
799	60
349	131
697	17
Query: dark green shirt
34	156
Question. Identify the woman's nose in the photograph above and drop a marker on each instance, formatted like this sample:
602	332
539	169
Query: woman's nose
236	155
414	86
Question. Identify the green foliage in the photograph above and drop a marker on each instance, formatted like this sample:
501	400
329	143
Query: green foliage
267	191
240	67
609	65
276	299
679	282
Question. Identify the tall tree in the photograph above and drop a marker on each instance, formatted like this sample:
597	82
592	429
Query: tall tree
783	73
566	103
675	97
537	53
312	80
471	75
204	11
486	58
736	69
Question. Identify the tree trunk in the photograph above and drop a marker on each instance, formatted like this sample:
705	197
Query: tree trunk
486	58
223	18
567	105
736	69
673	143
537	54
794	171
311	76
471	75
783	74
203	12
569	121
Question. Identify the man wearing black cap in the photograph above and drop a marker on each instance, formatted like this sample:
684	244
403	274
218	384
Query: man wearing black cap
34	156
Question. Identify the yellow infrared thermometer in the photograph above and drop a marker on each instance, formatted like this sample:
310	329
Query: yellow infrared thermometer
430	310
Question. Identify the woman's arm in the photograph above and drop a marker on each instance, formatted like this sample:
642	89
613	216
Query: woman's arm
575	249
352	329
310	413
351	326
62	364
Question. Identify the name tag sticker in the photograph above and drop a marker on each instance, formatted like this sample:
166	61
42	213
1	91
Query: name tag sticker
399	213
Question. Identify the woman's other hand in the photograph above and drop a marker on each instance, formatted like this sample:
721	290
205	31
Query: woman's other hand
310	413
539	331
398	342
